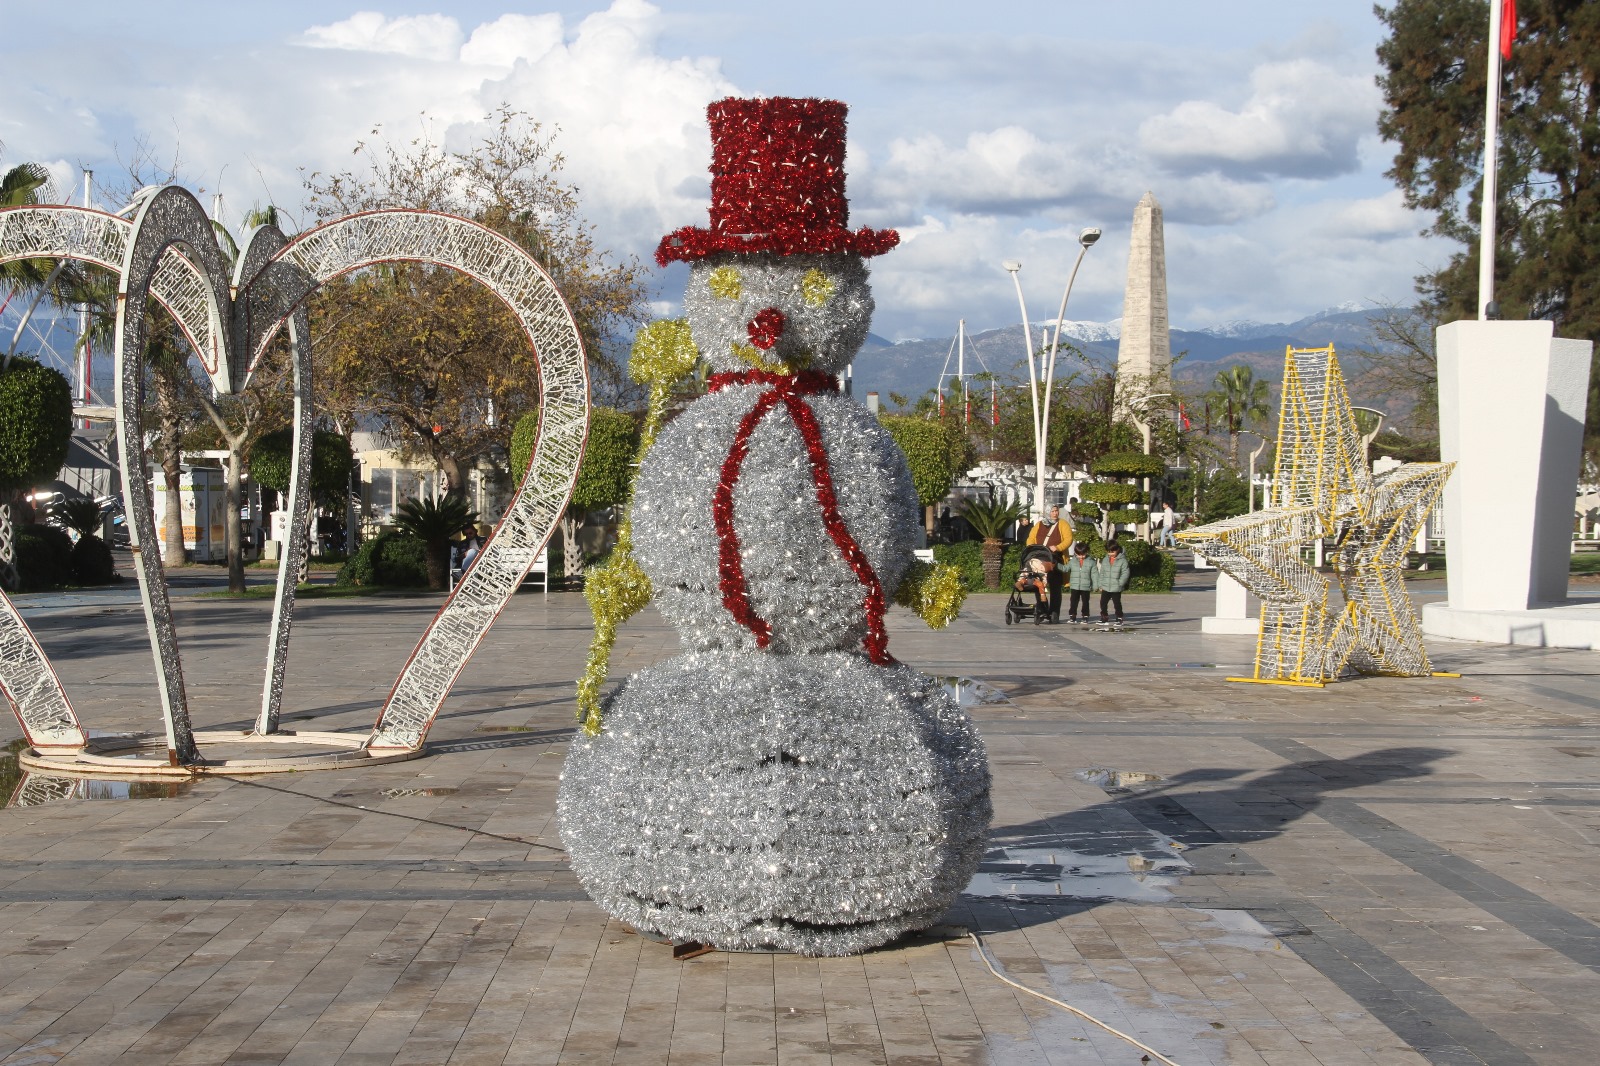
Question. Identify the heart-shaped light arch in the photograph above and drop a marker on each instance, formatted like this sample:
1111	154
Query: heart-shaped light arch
168	252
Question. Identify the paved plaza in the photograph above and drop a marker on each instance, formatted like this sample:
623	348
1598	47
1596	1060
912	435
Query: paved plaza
1386	871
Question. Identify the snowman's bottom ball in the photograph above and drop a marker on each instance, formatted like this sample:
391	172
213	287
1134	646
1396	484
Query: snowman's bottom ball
815	804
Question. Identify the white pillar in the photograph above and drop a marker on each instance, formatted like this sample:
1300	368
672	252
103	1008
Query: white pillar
1511	408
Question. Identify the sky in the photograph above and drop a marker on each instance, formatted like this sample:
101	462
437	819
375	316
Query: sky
983	132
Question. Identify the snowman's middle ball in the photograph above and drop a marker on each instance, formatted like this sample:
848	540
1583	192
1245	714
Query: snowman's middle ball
778	312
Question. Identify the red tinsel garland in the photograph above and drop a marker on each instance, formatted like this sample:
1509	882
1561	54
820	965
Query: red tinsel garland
791	392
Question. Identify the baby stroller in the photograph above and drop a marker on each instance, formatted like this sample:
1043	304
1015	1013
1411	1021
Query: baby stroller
1030	595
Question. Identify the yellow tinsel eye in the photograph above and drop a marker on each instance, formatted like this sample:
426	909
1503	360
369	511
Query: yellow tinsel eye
724	282
816	288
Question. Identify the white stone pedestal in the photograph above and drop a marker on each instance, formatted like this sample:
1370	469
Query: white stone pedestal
1511	408
1233	610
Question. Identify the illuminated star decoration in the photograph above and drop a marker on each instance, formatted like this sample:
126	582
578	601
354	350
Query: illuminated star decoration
1325	490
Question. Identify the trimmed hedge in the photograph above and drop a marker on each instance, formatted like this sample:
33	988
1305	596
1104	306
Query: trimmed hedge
389	560
44	557
1113	493
967	557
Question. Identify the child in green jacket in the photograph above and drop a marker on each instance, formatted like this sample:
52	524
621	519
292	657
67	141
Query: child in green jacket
1080	581
1112	576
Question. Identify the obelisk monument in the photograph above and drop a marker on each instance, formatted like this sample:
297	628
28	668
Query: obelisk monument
1144	353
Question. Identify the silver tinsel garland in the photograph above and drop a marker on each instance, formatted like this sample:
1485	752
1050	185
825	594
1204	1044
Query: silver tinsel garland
798	798
809	803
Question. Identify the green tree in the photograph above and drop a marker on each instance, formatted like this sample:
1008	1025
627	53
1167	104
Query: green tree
1547	255
332	462
35	428
432	354
1118	500
937	451
434	522
990	520
604	473
1239	399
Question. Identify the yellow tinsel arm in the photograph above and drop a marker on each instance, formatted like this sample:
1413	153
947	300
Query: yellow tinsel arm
663	352
933	590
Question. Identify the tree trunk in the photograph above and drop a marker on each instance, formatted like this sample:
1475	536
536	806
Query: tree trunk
571	554
928	521
235	529
438	565
992	553
451	467
169	449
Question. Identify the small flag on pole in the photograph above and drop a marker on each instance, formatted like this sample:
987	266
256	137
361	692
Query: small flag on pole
1183	415
1508	26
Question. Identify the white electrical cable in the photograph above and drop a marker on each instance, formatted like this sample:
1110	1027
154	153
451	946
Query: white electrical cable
984	955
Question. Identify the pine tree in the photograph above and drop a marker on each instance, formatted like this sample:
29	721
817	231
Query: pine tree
1547	259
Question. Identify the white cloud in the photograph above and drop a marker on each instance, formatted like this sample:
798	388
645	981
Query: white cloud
1303	119
436	37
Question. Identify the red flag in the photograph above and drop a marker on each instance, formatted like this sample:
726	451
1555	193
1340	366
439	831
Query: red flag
1508	26
1184	416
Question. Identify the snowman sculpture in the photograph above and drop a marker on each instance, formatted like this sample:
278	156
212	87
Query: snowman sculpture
784	783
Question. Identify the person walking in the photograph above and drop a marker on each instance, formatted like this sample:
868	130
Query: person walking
1112	576
1057	536
1167	522
1080	582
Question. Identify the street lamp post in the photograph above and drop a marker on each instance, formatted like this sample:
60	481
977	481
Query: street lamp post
1041	415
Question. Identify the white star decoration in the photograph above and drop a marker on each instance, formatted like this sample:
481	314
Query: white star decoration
1324	490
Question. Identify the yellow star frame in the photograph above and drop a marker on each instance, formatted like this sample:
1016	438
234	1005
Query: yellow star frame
1324	490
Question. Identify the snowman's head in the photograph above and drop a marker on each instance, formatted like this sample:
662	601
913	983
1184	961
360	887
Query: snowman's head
779	313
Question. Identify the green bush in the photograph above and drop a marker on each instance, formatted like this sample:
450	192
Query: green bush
1113	493
1133	515
1128	464
967	557
35	423
44	557
389	560
92	563
1010	563
1149	570
332	461
1089	511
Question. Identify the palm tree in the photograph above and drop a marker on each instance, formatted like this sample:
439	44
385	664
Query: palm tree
989	520
1239	399
434	522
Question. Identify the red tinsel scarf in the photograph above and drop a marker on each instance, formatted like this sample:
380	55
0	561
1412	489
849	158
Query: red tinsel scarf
791	392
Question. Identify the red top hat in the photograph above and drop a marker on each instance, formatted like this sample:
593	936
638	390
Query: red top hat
777	184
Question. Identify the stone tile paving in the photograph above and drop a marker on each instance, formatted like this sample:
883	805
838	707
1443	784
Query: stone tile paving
1386	871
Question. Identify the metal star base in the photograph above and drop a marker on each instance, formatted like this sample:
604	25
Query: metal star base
1326	491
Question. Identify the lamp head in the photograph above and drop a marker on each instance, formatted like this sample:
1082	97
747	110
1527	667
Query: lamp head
1012	265
1089	236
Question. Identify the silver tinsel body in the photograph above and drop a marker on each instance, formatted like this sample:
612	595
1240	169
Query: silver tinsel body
810	803
799	797
798	581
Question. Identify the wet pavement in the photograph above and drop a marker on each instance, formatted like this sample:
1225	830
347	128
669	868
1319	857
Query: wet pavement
1384	871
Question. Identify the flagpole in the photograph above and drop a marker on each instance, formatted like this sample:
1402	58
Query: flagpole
1491	140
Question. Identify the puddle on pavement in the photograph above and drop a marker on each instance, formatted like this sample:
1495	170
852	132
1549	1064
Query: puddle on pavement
974	692
411	793
1140	866
30	789
1118	781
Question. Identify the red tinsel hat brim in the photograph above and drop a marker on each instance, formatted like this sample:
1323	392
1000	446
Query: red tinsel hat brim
692	242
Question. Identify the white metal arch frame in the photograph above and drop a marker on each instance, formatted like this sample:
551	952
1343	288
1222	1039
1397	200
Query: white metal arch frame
269	286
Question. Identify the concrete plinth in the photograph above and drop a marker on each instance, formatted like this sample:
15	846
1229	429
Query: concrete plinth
1233	610
1572	625
1511	408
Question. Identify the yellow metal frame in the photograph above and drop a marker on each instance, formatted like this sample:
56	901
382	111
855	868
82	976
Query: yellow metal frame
1324	488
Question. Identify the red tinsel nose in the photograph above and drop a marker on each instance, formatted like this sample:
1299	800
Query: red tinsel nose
766	328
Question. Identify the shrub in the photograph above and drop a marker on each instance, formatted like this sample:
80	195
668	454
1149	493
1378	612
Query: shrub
1149	570
92	563
1010	563
1112	493
332	461
967	557
44	557
35	423
1128	515
389	560
1128	464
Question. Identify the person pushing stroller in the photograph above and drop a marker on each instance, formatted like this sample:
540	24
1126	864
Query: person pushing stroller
1035	575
